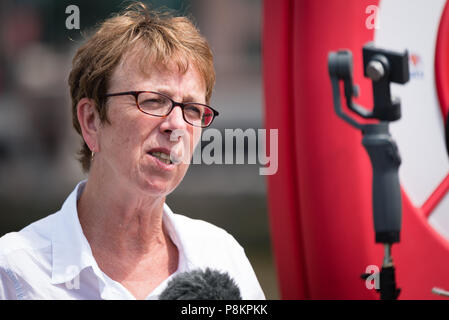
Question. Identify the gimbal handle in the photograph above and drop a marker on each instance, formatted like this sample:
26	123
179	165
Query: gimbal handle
382	67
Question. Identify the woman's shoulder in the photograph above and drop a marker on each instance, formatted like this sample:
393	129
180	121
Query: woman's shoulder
34	236
211	246
197	233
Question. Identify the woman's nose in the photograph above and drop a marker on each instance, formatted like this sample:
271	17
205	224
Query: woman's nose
174	120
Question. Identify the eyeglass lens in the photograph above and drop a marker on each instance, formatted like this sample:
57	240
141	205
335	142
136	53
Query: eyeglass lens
159	105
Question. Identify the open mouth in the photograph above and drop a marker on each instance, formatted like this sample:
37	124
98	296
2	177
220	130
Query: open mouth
161	156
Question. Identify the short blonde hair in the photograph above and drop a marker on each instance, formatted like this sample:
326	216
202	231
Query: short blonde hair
165	38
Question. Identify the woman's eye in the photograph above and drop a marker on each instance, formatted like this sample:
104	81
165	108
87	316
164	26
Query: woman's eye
193	110
152	101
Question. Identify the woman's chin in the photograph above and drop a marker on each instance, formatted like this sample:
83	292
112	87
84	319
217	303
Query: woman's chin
156	188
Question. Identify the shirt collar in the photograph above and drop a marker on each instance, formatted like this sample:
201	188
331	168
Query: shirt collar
70	249
174	230
72	253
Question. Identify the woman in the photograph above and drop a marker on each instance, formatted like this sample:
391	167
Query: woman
140	89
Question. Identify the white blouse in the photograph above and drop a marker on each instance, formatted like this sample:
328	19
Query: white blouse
52	259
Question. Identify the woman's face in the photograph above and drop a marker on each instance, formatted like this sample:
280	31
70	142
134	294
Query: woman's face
128	144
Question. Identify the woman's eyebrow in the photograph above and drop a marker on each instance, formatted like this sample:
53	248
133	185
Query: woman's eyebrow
186	98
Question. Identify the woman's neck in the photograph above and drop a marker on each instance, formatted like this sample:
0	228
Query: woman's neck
120	222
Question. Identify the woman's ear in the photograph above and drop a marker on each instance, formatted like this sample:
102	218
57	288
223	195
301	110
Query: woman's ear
89	121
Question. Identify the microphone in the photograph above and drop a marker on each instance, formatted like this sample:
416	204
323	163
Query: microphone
201	285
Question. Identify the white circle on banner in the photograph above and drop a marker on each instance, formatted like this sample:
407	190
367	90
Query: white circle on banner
420	133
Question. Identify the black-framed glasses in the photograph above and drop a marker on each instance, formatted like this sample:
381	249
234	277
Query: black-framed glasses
160	105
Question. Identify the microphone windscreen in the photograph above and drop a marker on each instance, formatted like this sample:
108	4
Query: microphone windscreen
201	285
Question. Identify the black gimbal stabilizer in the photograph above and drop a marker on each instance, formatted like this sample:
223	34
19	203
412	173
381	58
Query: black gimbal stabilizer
382	67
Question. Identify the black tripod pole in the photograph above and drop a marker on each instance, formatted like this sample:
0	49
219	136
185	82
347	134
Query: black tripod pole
382	67
388	289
